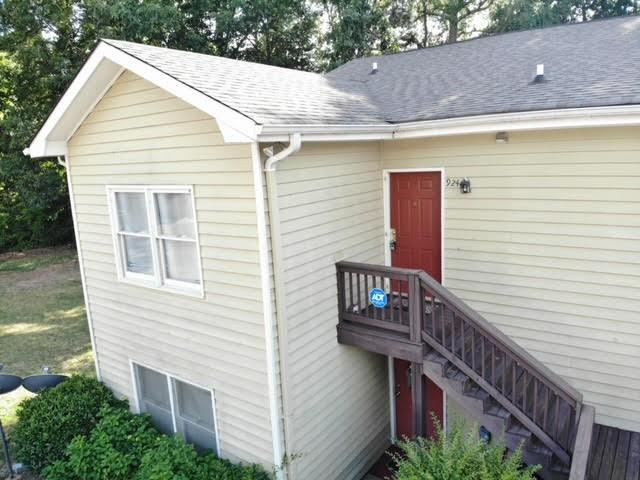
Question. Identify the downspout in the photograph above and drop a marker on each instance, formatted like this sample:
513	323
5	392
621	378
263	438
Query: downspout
276	360
72	201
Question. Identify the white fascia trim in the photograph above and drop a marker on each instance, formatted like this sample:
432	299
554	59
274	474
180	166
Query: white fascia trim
235	125
537	120
625	115
320	133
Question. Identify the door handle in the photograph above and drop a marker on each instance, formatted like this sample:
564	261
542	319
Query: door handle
392	240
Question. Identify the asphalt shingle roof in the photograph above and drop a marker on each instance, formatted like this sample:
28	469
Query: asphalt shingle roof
266	94
586	65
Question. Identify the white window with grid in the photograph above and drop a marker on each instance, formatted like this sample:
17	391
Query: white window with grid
177	407
155	237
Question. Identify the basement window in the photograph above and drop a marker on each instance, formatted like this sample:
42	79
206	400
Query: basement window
177	407
155	237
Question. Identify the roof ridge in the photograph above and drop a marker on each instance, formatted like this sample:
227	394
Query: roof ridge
111	42
491	36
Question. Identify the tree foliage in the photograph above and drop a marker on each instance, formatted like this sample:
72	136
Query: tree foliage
512	15
43	43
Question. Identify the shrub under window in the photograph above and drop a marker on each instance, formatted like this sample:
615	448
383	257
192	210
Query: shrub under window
125	446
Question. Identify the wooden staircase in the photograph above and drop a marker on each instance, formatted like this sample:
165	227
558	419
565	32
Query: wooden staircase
490	414
503	387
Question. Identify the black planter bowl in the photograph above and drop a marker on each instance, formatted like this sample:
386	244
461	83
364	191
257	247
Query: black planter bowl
38	383
8	383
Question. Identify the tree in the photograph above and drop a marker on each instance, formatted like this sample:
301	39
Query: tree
44	43
279	32
35	41
591	9
454	15
356	28
512	15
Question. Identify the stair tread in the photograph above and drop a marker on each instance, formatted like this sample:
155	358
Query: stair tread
536	447
477	392
520	430
454	373
435	357
497	410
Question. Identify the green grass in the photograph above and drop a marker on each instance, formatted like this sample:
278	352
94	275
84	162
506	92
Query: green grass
42	320
28	262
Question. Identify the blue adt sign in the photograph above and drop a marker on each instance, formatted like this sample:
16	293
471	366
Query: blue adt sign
378	297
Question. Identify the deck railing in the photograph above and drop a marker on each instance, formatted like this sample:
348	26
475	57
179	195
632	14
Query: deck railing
421	309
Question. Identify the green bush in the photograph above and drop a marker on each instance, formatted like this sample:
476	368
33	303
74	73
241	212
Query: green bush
459	455
124	446
173	459
113	450
47	423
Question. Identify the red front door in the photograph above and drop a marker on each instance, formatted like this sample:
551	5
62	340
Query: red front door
415	216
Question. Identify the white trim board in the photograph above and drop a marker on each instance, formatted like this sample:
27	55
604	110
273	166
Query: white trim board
386	189
103	67
611	116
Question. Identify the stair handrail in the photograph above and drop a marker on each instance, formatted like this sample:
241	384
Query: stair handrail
452	301
563	388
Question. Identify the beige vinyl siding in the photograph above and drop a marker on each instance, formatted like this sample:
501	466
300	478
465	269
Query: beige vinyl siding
330	204
139	134
547	247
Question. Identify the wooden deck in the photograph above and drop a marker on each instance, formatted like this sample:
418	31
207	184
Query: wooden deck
615	454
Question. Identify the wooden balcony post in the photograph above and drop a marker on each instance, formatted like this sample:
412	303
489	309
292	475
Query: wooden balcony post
415	310
417	400
341	291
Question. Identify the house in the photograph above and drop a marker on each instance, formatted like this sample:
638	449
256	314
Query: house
467	216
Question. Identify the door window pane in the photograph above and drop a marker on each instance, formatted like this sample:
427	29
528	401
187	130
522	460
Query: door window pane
132	212
181	261
175	215
137	253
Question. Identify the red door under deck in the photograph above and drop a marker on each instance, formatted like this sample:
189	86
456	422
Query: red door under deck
416	218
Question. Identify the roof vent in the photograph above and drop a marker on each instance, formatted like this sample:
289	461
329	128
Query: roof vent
374	68
539	78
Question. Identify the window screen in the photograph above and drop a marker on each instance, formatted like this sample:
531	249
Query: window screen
155	398
195	415
177	407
